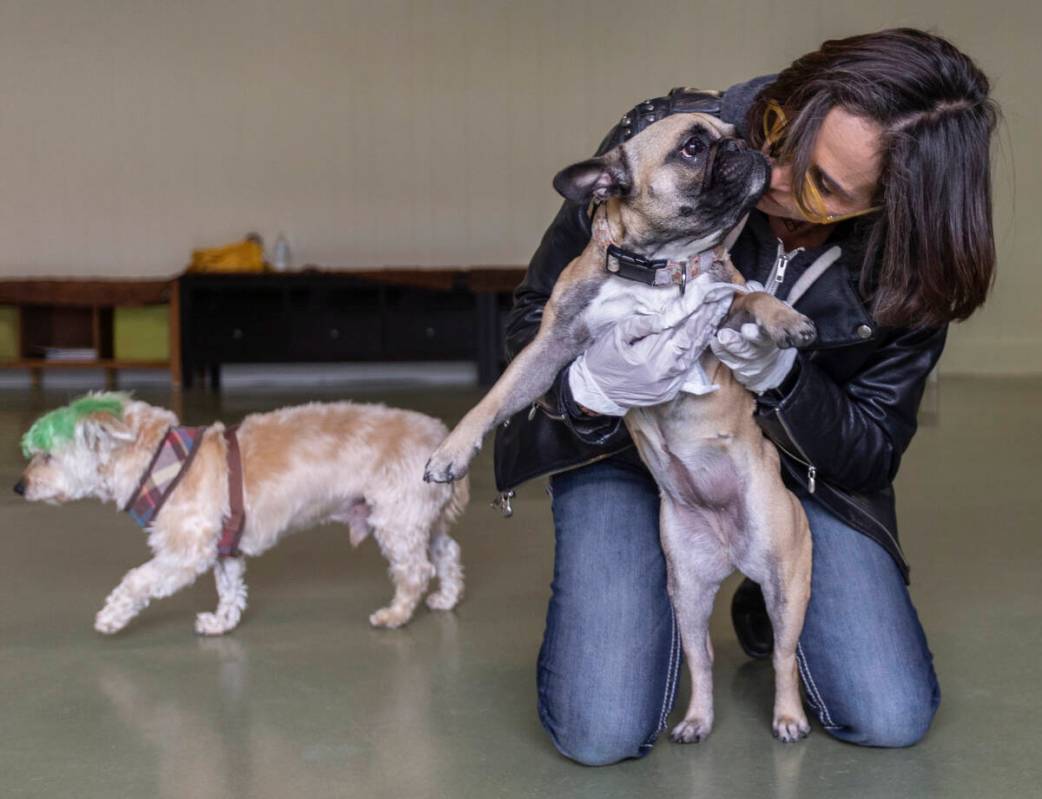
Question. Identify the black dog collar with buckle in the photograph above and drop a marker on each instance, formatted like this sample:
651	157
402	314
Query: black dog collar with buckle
659	272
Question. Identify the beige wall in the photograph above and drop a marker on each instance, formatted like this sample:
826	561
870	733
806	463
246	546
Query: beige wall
413	132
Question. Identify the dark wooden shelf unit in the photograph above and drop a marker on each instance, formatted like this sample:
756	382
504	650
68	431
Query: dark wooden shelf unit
331	315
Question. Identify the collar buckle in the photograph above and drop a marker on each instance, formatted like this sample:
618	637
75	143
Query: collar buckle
661	273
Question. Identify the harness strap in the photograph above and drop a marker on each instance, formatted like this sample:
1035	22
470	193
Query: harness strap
147	473
231	531
171	460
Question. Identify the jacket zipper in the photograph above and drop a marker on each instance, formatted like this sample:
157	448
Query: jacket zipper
812	471
781	263
812	482
502	499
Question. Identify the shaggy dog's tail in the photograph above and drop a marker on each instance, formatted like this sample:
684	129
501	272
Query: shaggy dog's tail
458	500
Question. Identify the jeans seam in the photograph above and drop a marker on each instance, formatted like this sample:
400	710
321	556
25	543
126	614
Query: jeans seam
671	679
812	688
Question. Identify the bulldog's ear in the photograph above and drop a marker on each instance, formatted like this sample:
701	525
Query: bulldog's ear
103	432
594	179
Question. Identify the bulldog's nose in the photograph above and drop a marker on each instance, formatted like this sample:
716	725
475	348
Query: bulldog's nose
19	488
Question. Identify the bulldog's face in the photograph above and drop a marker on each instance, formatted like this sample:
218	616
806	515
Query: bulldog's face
686	176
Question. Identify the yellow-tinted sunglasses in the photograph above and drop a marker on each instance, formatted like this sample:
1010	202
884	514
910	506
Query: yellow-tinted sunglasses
810	202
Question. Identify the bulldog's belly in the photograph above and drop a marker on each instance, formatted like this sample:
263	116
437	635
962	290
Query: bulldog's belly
692	452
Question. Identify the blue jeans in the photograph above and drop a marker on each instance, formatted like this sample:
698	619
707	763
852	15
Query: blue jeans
610	660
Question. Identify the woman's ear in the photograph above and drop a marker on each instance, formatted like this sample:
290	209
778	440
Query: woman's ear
594	179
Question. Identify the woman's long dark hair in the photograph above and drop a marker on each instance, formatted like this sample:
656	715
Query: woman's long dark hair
929	252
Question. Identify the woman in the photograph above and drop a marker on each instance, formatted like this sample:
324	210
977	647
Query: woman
880	146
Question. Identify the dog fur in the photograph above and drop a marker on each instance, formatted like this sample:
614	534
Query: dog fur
356	464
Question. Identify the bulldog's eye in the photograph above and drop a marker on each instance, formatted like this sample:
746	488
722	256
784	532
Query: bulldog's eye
694	147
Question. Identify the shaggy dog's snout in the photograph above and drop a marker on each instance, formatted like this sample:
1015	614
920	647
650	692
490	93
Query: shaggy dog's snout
19	488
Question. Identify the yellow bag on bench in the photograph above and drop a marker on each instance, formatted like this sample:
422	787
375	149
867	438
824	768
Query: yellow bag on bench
242	256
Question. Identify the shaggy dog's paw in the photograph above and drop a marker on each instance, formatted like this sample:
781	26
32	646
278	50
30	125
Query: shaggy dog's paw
110	620
210	624
447	464
388	618
442	600
789	729
691	731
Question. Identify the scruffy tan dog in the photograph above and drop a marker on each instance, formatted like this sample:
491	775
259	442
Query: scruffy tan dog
302	466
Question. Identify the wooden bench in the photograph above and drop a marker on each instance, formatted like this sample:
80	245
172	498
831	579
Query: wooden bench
79	314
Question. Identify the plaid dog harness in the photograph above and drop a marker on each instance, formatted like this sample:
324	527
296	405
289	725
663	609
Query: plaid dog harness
172	458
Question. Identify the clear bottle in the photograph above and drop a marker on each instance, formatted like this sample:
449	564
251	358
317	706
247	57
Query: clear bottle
281	258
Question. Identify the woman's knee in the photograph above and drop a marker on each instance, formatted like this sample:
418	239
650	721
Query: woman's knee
892	720
592	745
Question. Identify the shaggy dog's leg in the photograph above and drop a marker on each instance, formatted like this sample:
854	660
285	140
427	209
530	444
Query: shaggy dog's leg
155	579
406	550
445	555
231	598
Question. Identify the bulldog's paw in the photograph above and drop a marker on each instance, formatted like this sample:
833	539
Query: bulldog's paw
691	731
791	329
789	729
388	618
449	462
111	619
211	624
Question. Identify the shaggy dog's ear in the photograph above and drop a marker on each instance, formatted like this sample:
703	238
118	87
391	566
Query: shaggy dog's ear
103	432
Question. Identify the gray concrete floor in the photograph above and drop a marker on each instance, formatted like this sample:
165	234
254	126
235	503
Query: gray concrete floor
304	699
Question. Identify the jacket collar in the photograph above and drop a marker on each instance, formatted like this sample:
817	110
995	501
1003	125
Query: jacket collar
833	301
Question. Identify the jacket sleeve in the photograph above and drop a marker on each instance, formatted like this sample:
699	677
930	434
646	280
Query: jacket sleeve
854	434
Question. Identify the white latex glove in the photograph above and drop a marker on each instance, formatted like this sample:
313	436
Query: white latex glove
635	363
752	357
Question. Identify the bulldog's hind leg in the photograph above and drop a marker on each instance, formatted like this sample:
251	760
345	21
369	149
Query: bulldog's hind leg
696	566
784	576
786	595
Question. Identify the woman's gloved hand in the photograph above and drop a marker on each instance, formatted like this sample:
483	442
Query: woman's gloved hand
752	357
637	363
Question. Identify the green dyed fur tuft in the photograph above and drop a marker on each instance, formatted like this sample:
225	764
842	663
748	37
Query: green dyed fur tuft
59	426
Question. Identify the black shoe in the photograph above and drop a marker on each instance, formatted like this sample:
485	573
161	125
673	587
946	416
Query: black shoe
751	622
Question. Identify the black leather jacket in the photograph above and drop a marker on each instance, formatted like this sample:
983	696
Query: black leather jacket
841	420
